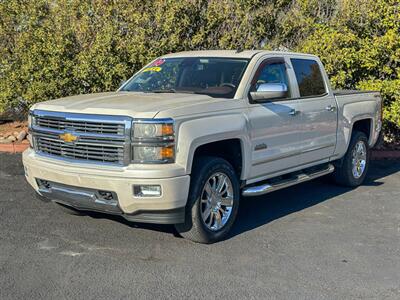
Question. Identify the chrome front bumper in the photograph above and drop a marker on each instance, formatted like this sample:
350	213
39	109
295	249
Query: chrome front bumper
93	200
80	198
80	187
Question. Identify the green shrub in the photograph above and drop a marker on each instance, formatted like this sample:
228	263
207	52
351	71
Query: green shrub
51	49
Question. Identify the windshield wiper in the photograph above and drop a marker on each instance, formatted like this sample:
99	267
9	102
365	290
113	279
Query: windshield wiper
162	91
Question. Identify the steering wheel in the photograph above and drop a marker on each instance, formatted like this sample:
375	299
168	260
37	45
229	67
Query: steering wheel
228	84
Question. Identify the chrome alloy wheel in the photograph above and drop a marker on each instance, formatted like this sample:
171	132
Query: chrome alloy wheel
359	159
216	201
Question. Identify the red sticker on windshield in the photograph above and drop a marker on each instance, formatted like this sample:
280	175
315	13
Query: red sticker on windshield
158	62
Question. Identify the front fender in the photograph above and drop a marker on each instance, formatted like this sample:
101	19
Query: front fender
197	132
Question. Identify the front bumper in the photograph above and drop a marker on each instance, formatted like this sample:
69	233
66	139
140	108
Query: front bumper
76	186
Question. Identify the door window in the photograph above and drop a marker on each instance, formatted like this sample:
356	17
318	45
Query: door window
272	73
309	77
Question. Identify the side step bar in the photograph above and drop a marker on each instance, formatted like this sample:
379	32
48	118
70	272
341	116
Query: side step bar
298	178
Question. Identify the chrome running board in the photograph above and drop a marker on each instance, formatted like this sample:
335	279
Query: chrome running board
269	187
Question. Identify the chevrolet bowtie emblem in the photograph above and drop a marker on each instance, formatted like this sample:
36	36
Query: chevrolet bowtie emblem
68	137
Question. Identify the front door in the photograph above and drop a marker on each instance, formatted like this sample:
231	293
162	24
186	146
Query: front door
275	123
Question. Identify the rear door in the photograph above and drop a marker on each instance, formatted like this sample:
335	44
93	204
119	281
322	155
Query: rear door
318	110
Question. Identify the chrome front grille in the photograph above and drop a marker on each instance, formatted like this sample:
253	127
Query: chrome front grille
87	150
80	126
97	139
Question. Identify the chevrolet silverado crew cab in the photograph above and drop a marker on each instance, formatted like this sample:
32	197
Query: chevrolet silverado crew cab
192	134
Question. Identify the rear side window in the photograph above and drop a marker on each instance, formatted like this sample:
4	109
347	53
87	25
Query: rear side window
309	77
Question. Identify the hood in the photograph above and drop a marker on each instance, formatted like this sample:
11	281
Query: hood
133	104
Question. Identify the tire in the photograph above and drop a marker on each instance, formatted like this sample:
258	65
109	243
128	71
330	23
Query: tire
69	210
344	174
205	200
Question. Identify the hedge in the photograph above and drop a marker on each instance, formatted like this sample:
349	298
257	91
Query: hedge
50	49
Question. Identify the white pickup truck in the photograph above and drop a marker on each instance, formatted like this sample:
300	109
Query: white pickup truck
192	134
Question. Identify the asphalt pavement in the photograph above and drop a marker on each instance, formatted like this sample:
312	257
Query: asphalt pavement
311	241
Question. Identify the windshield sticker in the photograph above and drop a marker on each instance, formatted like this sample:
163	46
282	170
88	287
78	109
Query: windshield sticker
158	62
152	69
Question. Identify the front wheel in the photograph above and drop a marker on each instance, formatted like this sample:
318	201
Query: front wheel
213	201
355	163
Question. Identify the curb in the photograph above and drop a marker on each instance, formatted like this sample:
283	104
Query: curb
385	154
13	148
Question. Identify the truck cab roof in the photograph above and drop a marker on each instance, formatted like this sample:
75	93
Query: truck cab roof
247	54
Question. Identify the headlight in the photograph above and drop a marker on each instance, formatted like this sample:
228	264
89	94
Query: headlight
154	154
153	131
153	141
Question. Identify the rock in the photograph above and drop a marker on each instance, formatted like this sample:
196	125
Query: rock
11	139
15	133
25	142
3	140
21	135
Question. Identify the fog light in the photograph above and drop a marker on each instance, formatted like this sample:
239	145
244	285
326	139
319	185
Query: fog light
147	190
106	195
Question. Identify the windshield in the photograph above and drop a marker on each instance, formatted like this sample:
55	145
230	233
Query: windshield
217	77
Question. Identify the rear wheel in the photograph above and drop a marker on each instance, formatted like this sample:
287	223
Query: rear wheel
213	201
355	163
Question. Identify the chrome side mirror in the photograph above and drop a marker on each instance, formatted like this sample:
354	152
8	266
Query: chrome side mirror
267	91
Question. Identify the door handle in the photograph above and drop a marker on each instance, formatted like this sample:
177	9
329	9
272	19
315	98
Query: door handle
293	112
330	108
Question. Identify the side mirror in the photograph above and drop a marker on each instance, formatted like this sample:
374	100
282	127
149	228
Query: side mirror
266	91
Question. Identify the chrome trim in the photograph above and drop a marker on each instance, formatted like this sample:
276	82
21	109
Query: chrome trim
359	159
38	129
216	201
294	153
271	187
155	121
318	148
80	198
81	117
88	163
331	108
285	155
122	141
261	146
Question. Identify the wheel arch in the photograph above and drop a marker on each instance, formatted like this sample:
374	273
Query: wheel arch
222	136
362	124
